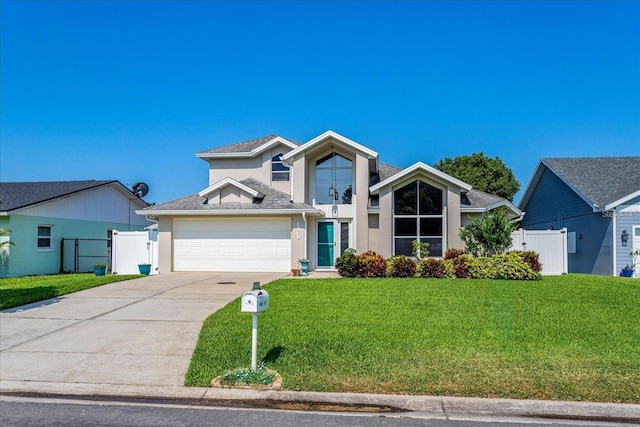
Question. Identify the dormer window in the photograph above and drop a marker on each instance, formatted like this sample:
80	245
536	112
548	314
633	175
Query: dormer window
279	171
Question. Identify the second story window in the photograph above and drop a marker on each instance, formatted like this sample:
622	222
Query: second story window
279	171
334	177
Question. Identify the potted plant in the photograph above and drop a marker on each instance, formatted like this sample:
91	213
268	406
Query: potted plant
99	269
144	269
627	271
304	266
295	272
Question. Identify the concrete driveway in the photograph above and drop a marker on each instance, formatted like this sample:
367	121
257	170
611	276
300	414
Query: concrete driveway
136	332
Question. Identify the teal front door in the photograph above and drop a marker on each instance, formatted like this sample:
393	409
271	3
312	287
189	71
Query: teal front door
326	244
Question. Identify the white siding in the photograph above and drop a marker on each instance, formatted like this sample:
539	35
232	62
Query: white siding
104	204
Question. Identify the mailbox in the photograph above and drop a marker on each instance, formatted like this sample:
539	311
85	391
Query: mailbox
255	301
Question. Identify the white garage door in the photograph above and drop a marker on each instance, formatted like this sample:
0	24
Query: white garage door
232	244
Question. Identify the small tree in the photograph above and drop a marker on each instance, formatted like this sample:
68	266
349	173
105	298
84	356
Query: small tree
489	235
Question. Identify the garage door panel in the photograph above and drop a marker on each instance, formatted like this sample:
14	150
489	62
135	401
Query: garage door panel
232	245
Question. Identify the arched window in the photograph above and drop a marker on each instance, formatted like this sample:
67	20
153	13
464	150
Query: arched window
334	177
279	171
418	215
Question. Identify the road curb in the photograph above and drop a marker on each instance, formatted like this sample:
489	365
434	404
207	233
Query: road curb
441	407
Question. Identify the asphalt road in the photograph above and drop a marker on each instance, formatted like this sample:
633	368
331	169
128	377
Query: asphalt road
15	411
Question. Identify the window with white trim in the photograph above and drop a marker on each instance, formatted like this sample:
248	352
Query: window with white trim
279	170
418	215
45	237
334	177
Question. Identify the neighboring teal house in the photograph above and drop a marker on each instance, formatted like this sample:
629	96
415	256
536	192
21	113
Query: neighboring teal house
597	199
83	213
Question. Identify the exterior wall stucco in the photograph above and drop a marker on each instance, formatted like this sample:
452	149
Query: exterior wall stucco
361	200
385	223
298	240
165	244
258	167
26	259
454	221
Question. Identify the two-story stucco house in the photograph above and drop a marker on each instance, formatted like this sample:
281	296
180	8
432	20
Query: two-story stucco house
272	201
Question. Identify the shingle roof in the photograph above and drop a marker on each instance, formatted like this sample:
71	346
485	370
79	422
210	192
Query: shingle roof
387	171
272	200
15	195
245	146
480	199
602	180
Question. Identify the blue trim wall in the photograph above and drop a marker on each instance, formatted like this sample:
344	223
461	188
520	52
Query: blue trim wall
625	220
555	205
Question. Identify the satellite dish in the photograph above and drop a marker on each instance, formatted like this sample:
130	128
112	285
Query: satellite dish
140	189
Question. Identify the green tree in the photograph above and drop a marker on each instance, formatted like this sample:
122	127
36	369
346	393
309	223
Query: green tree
484	173
489	235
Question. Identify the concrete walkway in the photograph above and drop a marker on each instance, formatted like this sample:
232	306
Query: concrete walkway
136	332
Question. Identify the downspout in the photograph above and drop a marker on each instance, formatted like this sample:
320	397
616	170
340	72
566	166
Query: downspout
615	258
291	179
304	236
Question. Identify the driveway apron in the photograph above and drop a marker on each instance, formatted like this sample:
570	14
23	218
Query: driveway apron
136	332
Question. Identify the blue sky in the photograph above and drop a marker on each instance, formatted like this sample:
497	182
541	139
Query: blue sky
130	90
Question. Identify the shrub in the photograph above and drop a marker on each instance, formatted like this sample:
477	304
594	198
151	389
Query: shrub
531	258
508	266
371	264
347	263
460	266
401	266
453	253
431	267
419	250
489	235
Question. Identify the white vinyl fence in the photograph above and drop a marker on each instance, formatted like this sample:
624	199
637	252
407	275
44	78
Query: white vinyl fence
551	245
130	248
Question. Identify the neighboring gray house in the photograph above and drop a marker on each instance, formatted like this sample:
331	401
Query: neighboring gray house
597	199
271	201
41	214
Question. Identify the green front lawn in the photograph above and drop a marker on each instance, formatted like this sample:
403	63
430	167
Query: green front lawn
24	290
573	337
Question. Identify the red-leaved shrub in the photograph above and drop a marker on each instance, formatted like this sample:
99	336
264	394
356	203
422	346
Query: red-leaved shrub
431	267
371	264
401	266
452	253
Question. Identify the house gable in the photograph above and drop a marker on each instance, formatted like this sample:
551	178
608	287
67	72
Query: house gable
421	169
549	199
329	137
230	191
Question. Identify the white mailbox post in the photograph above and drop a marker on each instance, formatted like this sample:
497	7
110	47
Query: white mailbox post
254	302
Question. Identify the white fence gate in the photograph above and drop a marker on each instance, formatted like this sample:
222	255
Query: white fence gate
130	248
551	245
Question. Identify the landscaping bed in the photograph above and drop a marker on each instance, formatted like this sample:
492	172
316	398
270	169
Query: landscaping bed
572	337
